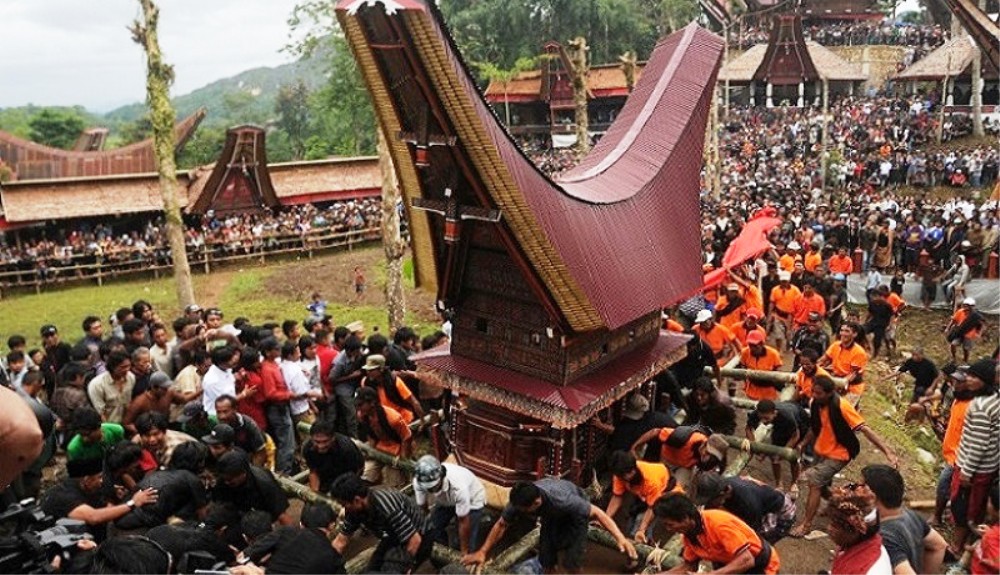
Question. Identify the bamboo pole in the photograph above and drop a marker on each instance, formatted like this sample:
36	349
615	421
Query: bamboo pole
768	376
762	448
359	562
514	554
603	538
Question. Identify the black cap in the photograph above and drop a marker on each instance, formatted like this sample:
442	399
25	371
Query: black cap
708	486
984	369
233	462
192	410
222	433
48	329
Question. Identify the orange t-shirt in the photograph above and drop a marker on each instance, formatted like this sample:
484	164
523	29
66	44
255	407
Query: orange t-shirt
804	383
826	444
673	325
752	295
732	318
655	479
805	304
740	333
812	261
403	391
784	299
683	456
960	317
953	434
770	361
844	361
787	263
723	537
839	264
895	301
716	338
383	442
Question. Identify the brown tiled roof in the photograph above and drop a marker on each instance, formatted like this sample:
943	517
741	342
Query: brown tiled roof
32	161
616	238
602	81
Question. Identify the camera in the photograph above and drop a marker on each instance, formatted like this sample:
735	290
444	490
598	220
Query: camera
30	539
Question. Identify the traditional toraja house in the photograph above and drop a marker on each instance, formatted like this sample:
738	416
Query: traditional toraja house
789	69
31	161
241	180
541	101
950	66
555	288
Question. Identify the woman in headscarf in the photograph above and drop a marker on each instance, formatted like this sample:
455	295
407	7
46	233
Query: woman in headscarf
854	528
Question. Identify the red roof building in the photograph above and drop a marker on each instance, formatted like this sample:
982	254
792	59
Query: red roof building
554	287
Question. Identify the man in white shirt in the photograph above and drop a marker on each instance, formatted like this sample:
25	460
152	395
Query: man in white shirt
297	383
453	491
219	379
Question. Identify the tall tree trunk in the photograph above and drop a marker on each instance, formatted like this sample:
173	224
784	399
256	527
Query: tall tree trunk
392	243
977	86
159	77
578	60
628	63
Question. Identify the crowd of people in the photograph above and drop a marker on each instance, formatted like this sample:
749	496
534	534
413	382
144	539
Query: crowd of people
920	38
65	253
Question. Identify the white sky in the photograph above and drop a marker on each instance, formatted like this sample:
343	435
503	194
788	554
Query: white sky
67	52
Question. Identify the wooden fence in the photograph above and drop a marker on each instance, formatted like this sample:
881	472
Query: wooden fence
94	268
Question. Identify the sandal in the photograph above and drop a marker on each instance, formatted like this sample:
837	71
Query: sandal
798	531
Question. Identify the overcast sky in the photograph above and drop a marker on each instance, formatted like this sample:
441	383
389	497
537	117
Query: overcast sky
66	52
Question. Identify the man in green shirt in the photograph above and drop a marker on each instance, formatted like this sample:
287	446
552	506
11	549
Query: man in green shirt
93	437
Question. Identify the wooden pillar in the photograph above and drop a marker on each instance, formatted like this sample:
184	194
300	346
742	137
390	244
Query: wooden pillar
769	91
753	93
802	94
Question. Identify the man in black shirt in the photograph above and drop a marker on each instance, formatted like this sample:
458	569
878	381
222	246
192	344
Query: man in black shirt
879	316
304	549
216	536
637	419
249	487
765	509
565	513
80	497
405	537
246	434
330	455
922	369
810	336
181	492
789	423
57	356
699	356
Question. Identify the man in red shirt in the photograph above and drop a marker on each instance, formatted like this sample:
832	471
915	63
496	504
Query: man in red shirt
276	398
325	354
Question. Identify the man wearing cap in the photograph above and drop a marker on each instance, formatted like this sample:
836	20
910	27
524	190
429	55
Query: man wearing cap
684	449
716	536
453	492
80	497
760	357
647	481
787	261
718	337
965	328
978	460
841	263
810	336
782	298
248	487
730	306
194	421
834	424
158	397
789	422
193	311
750	323
763	508
220	441
637	418
392	392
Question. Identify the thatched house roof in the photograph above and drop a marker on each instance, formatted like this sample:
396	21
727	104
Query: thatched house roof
952	59
830	66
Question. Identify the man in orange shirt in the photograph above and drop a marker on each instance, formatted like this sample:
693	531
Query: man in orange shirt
834	424
683	449
952	435
670	324
810	302
898	305
749	324
387	432
965	327
730	306
715	536
807	374
760	357
717	336
841	263
645	480
813	258
787	261
392	392
847	359
783	297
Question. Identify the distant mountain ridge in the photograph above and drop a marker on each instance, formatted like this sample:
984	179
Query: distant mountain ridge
251	93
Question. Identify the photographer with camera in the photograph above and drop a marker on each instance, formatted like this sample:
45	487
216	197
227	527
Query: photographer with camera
80	497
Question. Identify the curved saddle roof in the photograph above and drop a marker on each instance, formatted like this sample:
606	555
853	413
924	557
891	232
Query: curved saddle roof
614	239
